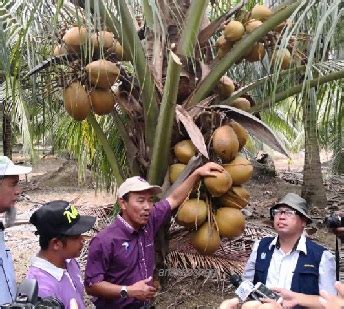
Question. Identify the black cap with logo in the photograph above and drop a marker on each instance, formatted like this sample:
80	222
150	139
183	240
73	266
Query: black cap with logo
60	218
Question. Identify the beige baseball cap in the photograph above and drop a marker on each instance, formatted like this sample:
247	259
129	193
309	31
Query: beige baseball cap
8	168
136	184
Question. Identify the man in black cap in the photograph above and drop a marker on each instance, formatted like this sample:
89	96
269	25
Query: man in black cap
290	260
60	229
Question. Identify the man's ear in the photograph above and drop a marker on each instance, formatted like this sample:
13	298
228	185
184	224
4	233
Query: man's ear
55	243
122	203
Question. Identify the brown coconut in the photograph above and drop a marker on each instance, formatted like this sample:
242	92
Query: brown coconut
175	170
252	25
257	53
226	87
76	101
230	221
282	55
102	101
192	213
219	184
241	103
234	30
60	50
225	143
102	73
252	304
102	39
206	239
261	12
240	170
240	132
74	38
184	151
118	50
237	197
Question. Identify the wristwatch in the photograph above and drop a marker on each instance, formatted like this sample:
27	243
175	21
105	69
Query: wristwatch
124	292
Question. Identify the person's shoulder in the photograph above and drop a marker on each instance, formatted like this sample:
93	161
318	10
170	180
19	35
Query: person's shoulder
315	245
46	282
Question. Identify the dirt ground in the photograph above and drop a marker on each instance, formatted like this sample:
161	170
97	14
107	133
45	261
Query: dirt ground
57	178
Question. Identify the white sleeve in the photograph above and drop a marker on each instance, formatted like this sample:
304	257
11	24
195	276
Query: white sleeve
251	263
327	273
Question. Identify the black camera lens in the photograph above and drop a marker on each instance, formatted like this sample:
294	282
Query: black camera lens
334	221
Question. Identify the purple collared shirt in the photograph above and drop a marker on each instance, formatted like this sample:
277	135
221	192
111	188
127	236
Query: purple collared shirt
64	284
122	255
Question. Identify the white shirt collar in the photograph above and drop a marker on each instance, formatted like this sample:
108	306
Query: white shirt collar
48	267
301	246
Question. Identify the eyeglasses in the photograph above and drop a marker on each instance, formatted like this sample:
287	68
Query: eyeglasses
287	212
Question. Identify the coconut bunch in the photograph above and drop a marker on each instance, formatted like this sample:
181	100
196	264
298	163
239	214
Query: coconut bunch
236	29
92	93
213	209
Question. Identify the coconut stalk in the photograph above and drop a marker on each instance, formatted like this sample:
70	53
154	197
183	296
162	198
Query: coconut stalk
297	89
107	148
162	140
125	30
221	67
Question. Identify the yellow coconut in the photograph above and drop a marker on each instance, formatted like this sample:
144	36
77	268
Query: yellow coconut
175	170
103	39
252	24
222	42
242	104
226	87
257	53
206	239
261	12
240	132
184	151
102	101
60	50
230	221
74	38
240	170
282	55
192	213
234	30
219	184
236	197
102	73
225	143
241	192
252	304
76	101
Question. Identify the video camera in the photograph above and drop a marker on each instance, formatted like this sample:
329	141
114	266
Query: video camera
334	221
27	297
246	290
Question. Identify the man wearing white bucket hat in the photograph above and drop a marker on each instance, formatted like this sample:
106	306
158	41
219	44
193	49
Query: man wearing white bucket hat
9	191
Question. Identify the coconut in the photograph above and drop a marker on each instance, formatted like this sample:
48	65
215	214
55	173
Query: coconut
242	104
218	184
60	50
237	197
102	73
74	38
252	24
241	192
230	221
252	304
175	170
240	132
282	55
226	87
234	30
206	239
257	53
221	42
118	50
103	39
240	170
102	101
192	213
184	150
261	12
225	143
76	101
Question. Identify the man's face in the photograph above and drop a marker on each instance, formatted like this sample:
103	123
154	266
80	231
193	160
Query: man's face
69	248
287	222
9	191
137	209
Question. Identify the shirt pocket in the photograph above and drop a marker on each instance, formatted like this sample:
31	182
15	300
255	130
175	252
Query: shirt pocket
309	281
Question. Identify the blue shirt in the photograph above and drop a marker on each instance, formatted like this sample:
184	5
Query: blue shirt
7	275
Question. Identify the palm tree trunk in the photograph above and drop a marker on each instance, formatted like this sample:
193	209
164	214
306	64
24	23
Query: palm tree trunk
7	134
313	189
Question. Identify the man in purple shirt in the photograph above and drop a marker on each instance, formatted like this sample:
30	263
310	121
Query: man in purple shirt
60	229
121	257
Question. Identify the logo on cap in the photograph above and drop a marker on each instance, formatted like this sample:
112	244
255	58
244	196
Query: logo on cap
70	213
